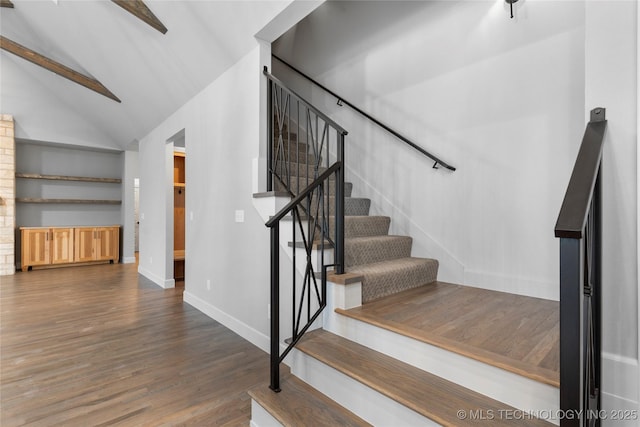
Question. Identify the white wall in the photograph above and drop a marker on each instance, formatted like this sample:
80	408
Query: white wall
477	89
227	263
222	137
505	101
611	81
129	175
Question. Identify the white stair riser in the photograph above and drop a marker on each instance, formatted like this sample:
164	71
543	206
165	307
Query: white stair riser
358	398
260	417
512	389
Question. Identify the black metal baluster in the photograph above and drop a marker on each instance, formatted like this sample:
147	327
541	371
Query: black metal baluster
339	210
315	211
294	213
275	308
269	135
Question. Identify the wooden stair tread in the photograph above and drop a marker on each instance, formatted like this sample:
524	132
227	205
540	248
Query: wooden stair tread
396	313
425	393
299	404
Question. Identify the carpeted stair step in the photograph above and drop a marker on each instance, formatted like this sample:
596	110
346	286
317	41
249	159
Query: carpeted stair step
299	404
293	147
298	183
389	277
283	157
433	397
305	170
363	226
372	249
353	206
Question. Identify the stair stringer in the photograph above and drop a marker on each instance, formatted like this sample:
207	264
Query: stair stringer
512	389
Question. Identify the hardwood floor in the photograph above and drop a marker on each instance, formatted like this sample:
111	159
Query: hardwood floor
101	345
513	332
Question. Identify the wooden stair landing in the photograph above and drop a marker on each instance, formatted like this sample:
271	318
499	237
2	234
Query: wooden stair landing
431	396
299	404
513	332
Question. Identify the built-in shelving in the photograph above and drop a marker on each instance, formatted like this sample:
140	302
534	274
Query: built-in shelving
69	201
68	178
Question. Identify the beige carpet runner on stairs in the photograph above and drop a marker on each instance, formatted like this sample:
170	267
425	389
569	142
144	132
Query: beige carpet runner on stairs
384	260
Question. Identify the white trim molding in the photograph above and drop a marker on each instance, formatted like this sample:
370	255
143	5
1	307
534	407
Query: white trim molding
252	335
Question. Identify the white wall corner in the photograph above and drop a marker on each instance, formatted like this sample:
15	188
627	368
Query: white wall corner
244	330
163	283
287	18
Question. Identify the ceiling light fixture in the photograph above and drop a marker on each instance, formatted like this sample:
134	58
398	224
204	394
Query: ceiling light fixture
511	2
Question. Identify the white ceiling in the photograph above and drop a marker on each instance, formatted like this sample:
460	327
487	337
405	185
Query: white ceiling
153	74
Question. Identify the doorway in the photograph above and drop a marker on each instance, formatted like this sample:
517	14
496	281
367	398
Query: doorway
176	151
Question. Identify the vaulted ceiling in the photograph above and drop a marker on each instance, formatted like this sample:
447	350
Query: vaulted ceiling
152	73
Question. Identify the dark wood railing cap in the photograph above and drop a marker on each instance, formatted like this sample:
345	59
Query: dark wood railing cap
577	199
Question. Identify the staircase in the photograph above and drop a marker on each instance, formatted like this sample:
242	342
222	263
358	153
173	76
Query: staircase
360	368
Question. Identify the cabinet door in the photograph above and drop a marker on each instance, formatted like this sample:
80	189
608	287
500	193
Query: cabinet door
61	245
84	244
35	248
107	243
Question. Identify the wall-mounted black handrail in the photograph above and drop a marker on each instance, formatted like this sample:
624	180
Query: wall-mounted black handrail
579	228
373	119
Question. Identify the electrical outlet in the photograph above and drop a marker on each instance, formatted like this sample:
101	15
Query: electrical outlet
150	260
208	284
239	216
191	216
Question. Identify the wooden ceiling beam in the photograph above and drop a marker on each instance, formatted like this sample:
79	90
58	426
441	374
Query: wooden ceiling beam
6	3
141	11
56	67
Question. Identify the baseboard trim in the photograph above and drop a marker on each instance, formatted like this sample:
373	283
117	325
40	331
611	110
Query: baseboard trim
617	382
250	334
518	285
163	283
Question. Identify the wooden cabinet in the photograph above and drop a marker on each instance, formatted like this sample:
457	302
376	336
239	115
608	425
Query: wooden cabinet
107	244
97	244
85	244
61	245
43	246
36	249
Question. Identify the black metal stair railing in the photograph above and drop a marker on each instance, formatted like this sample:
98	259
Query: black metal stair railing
579	228
340	100
305	159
